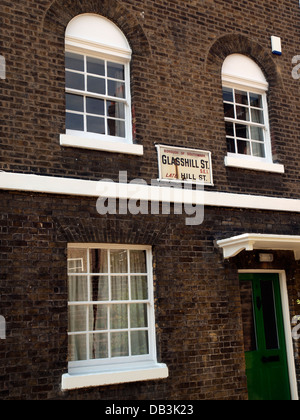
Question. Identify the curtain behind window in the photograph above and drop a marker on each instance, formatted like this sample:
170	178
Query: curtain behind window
128	276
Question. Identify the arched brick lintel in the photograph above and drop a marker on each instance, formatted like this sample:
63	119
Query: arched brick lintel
61	12
241	44
262	55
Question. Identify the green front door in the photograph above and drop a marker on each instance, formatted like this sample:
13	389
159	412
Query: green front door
264	338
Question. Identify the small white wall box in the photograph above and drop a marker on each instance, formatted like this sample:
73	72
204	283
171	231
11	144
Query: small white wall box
276	45
266	257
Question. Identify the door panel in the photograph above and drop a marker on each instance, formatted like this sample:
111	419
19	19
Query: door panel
264	338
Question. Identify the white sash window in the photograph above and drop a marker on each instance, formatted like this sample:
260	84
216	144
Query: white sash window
246	115
111	312
98	97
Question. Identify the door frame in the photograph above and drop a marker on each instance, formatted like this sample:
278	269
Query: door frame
287	325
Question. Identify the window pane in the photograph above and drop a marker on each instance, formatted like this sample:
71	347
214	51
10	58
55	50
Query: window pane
258	149
269	315
230	145
98	317
116	71
78	289
95	66
255	100
243	147
75	265
80	255
257	116
118	261
229	129
74	103
139	342
118	317
241	97
119	344
74	81
242	113
139	288
115	110
95	125
74	122
99	328
228	110
138	315
257	133
116	89
74	61
98	346
77	318
227	94
119	288
98	261
248	316
242	131
77	347
138	262
95	106
99	288
96	85
116	128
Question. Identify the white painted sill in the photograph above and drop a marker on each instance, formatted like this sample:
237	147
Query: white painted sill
154	371
67	140
236	162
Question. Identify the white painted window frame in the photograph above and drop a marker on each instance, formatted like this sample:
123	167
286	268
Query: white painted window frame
265	126
120	369
255	84
120	55
126	101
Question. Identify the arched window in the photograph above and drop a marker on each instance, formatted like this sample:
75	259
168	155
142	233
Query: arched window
98	99
246	114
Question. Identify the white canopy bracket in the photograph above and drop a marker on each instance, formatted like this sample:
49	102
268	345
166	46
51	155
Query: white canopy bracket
251	241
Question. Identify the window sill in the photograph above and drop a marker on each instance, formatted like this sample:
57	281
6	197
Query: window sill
100	145
236	162
115	376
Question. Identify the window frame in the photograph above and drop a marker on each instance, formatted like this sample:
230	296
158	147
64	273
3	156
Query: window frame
126	101
125	362
97	37
266	127
241	72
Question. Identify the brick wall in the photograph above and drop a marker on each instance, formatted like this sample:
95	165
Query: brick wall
198	313
178	50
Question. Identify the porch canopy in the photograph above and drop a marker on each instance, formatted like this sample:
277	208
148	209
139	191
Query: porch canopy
251	241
